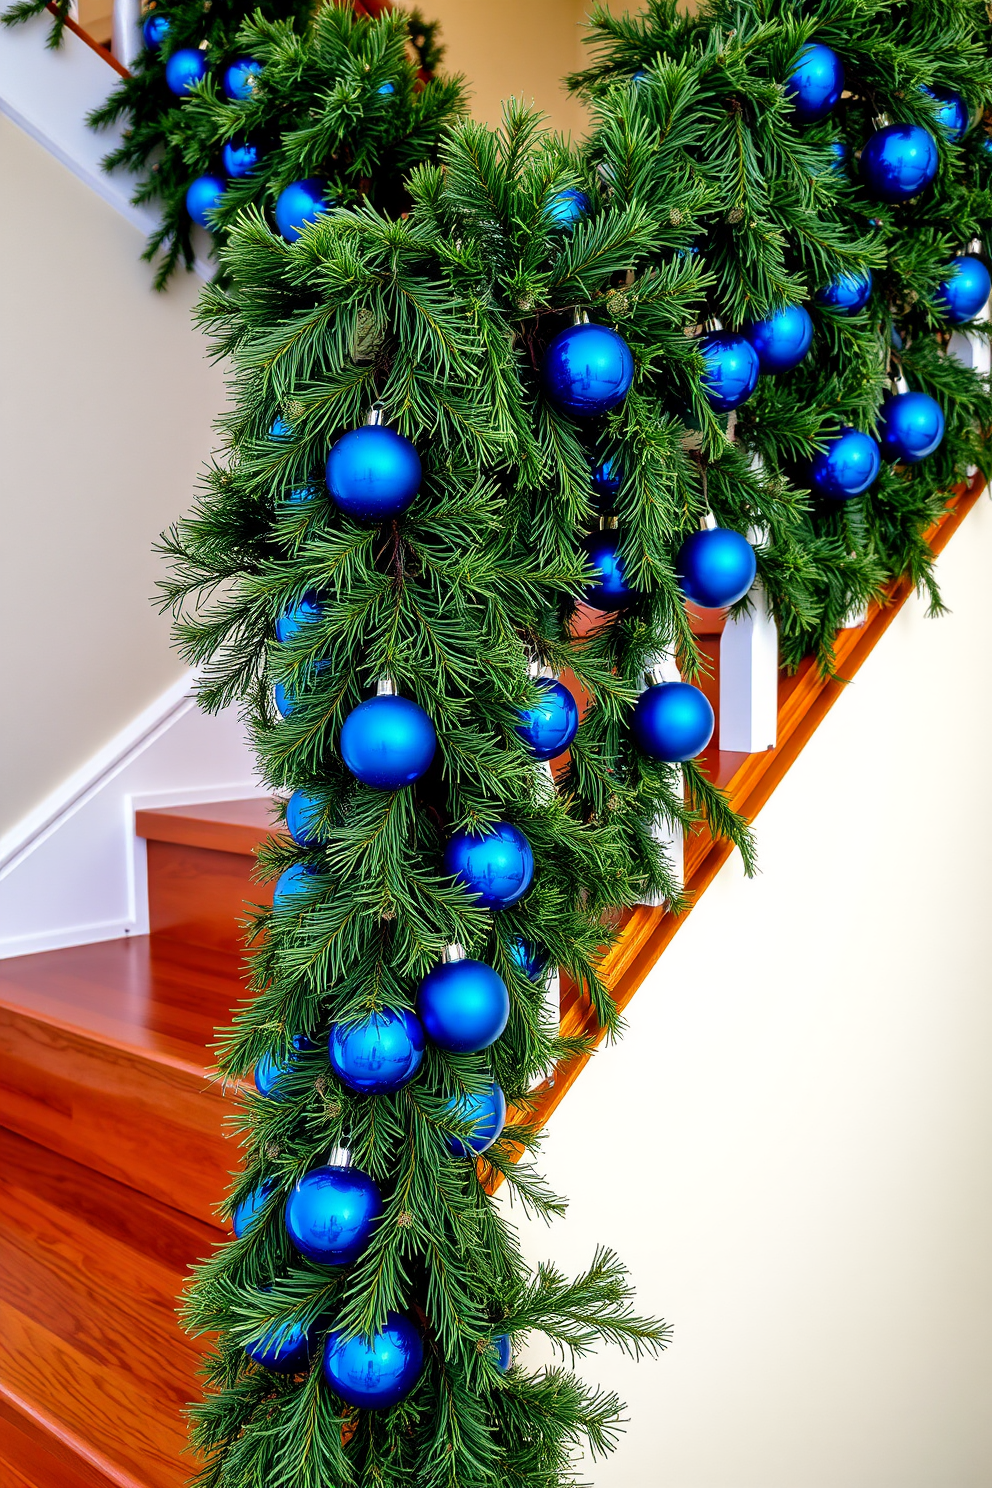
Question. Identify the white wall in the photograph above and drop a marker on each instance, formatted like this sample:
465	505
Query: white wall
792	1148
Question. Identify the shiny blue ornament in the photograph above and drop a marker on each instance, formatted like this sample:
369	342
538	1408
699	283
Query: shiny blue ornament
612	592
606	478
240	78
485	1113
952	114
202	196
239	158
373	473
566	207
154	29
330	1214
284	1348
386	89
248	1210
293	882
848	293
292	620
986	144
783	339
816	84
899	162
839	155
269	1070
184	70
961	294
284	700
550	726
587	370
388	742
375	1373
299	205
504	1352
378	1055
847	467
280	429
530	958
910	427
732	368
498	866
463	1005
302	813
672	721
715	567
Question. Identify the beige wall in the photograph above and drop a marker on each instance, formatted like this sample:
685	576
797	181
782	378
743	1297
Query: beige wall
792	1147
106	403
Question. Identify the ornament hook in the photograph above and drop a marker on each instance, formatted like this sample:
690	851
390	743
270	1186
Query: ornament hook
375	416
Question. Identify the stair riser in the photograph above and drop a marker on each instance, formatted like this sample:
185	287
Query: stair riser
202	896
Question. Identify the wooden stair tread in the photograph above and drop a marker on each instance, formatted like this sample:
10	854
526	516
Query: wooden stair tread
89	1340
224	826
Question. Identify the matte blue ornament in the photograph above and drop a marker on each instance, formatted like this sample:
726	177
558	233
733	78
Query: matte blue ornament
847	293
961	294
154	29
910	427
184	70
239	158
485	1113
373	473
378	1055
899	162
498	866
612	592
566	207
463	1005
550	726
847	467
388	742
530	958
302	813
330	1214
202	196
715	567
606	478
285	1348
783	339
504	1352
292	882
952	114
385	89
672	721
292	620
816	84
375	1373
298	205
587	370
248	1210
732	368
240	78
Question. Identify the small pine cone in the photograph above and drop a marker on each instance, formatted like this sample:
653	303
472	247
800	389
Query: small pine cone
736	215
675	217
388	914
481	1345
320	1085
272	1151
525	303
404	1220
332	1110
618	304
613	803
294	410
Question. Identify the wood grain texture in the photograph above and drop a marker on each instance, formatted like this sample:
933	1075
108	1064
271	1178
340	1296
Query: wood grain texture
226	826
202	896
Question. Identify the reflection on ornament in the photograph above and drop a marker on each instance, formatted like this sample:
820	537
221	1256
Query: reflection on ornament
373	473
241	78
587	370
380	1054
566	207
239	158
154	29
549	727
184	70
296	616
330	1214
378	1372
816	84
731	371
848	293
952	114
899	161
847	467
964	289
612	592
498	866
672	722
783	339
485	1113
910	427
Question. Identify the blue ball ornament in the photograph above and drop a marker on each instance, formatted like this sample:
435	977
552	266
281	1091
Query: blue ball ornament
485	1113
375	1373
715	567
566	207
249	1209
847	467
268	1072
848	293
612	592
952	114
910	427
839	156
284	700
298	205
963	292
503	1349
239	158
531	960
154	29
203	195
292	883
783	339
550	726
672	721
285	1348
388	742
606	478
184	70
816	84
587	370
385	90
899	162
373	473
330	1214
498	866
378	1055
302	813
240	78
279	429
293	619
463	1005
986	144
731	371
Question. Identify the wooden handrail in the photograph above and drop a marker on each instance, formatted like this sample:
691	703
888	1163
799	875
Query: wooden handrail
94	46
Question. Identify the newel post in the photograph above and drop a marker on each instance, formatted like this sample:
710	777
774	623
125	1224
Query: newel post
666	833
126	39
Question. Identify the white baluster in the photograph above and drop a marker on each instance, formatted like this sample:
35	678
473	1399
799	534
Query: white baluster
749	676
970	349
126	41
667	834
